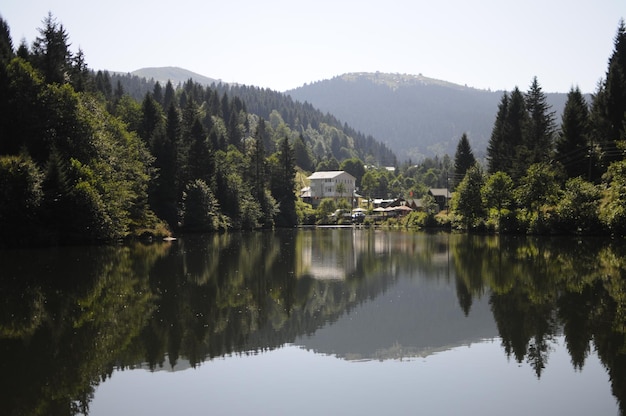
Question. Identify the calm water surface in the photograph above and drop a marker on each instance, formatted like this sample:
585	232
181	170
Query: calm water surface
320	321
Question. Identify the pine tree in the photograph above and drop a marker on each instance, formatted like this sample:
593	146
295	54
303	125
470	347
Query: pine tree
498	154
103	84
463	158
51	53
507	152
200	158
6	44
164	197
157	93
516	121
6	54
616	85
283	183
169	95
80	76
303	154
609	104
151	120
540	127
572	145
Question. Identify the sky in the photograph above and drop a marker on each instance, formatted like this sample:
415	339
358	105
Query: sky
284	44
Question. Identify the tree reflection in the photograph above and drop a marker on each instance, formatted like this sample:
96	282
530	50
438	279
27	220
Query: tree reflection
69	317
66	314
540	287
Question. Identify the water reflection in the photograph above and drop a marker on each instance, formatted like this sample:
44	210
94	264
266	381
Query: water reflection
69	317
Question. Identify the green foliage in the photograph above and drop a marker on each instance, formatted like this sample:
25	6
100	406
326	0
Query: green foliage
50	52
615	86
498	194
304	212
20	197
498	191
538	187
282	183
467	201
463	158
420	219
354	167
201	208
572	145
613	208
326	207
522	133
577	208
113	162
540	127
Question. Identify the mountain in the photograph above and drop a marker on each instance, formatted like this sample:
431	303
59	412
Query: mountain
413	115
324	134
174	74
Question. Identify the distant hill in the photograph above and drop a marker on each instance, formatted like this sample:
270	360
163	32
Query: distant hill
413	115
324	134
174	74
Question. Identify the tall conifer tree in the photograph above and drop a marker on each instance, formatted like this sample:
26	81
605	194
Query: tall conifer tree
609	104
498	156
616	85
516	122
572	145
283	184
463	158
51	53
540	127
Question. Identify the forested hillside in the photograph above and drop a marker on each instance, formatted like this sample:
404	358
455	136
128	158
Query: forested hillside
323	133
415	116
90	156
548	177
83	160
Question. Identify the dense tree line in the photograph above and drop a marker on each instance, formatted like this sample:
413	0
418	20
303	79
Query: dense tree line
323	134
95	156
541	178
81	160
538	177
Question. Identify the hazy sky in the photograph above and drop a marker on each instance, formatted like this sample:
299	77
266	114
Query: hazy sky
283	44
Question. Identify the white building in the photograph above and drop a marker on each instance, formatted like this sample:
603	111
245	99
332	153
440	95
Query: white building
331	184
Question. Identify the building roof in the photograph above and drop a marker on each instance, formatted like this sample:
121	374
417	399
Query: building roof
305	192
439	192
329	174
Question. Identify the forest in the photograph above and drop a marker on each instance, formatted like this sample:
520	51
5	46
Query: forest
88	156
82	159
538	177
541	178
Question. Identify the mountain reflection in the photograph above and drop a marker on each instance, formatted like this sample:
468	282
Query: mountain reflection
69	317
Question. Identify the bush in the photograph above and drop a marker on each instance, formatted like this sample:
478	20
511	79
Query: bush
20	196
200	208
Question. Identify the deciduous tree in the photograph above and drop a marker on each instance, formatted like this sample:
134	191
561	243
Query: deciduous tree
467	200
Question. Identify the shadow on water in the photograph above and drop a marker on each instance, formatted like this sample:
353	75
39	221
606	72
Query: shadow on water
69	317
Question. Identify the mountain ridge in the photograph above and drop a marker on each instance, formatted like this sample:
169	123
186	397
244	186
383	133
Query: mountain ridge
174	74
395	80
416	116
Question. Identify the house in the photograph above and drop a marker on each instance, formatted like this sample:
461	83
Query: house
442	197
330	184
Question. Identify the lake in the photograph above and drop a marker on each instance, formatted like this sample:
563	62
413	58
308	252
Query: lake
316	321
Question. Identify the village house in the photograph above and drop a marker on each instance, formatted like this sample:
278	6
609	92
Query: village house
329	184
441	196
